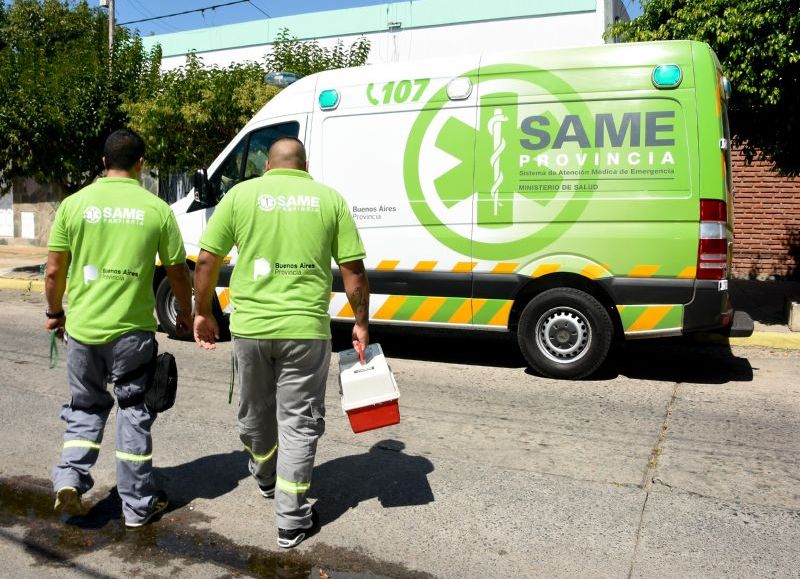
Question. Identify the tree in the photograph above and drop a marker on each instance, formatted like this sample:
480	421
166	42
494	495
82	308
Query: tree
58	99
758	44
304	58
192	112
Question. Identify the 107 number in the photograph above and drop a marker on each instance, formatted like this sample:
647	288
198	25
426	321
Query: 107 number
398	91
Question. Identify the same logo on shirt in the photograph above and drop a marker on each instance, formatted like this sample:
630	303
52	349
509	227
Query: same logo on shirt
288	203
92	214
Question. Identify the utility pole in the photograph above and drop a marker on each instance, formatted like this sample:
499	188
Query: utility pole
109	4
110	28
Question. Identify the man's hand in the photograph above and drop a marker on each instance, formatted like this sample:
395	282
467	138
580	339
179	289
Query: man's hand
183	324
57	325
360	336
206	331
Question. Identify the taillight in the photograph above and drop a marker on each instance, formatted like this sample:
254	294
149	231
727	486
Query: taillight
712	253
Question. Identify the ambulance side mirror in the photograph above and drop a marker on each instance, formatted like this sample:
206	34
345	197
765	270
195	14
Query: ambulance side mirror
203	194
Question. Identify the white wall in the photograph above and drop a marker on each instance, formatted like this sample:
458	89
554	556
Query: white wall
542	32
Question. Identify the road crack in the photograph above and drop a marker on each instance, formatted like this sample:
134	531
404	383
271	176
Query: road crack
649	475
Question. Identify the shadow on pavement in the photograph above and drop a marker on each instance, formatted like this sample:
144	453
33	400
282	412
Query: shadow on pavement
207	477
675	360
395	478
470	347
666	359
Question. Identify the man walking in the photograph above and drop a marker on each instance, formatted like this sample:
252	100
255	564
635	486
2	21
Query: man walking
286	228
108	235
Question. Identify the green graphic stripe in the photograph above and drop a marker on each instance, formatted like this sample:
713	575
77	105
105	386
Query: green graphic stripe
127	456
82	444
449	307
650	317
294	488
487	312
410	306
261	457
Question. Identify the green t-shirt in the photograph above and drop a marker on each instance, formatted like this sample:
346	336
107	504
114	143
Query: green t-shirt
113	229
286	228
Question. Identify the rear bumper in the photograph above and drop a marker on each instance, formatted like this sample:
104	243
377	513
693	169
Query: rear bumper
711	311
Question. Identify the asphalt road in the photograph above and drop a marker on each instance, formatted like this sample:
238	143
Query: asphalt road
678	460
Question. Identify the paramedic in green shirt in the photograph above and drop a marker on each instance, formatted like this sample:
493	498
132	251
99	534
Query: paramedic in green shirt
108	235
286	228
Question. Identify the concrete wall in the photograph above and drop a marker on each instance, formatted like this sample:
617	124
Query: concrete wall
34	206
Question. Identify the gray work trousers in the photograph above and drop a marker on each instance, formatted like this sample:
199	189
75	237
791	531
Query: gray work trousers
281	417
89	370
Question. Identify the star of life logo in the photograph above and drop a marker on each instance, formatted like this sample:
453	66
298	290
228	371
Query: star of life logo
288	203
92	214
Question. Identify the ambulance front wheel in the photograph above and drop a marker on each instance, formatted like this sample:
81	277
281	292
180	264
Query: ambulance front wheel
565	333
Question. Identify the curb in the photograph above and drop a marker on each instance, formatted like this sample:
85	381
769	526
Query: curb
29	285
776	340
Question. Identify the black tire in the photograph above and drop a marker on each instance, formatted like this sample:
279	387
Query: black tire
166	310
565	333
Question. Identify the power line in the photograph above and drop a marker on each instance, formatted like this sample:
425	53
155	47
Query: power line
259	9
214	7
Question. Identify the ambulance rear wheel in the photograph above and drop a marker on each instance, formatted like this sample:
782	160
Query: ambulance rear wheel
565	333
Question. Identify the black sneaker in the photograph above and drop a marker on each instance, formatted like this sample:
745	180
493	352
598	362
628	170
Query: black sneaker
267	492
288	538
159	506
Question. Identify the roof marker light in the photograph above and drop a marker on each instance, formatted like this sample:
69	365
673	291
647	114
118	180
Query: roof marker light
329	99
667	76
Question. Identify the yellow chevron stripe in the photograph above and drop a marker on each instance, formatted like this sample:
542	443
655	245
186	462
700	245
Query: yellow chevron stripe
649	318
346	312
463	314
505	268
390	307
464	266
593	271
224	299
428	308
477	304
501	317
425	266
688	273
387	265
546	268
644	271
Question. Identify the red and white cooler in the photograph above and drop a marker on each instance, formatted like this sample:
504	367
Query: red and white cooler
368	388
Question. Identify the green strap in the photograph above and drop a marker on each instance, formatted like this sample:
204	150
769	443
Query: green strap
53	349
233	376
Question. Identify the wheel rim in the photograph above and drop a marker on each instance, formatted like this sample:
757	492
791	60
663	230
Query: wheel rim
172	308
563	335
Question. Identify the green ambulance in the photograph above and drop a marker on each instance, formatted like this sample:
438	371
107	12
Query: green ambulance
572	197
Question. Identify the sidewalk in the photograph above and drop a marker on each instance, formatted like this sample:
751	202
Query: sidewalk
765	301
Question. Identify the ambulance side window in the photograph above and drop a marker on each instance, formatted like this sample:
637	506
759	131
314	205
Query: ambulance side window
260	142
249	158
229	173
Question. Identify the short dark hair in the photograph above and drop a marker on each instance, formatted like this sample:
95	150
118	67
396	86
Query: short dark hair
123	149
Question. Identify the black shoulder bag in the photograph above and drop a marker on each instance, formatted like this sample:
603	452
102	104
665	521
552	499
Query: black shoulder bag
161	387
